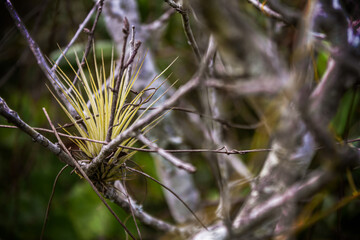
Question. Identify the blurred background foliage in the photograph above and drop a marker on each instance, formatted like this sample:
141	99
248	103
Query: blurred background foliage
27	171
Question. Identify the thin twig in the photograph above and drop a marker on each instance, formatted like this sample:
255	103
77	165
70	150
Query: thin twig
292	16
166	155
14	118
219	120
158	23
40	59
222	150
50	201
186	24
253	87
90	40
168	189
85	176
268	11
72	41
187	110
132	49
113	194
133	54
116	89
132	211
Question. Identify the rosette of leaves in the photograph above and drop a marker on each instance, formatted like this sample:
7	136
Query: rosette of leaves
92	98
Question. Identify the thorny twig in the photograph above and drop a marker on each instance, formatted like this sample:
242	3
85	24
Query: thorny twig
166	155
217	119
221	150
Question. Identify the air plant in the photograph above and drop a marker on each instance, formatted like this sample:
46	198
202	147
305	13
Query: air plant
92	102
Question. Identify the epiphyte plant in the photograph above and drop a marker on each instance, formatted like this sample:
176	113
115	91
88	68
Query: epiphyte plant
92	99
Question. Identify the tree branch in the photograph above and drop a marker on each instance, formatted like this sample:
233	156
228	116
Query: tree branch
40	59
172	159
14	118
76	35
187	28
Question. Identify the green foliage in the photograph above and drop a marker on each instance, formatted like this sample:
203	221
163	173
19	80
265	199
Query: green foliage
89	217
321	62
347	113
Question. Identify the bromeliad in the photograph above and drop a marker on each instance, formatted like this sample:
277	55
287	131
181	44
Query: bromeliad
92	99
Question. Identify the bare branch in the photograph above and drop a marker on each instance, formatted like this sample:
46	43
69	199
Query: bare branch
55	82
291	15
296	192
118	81
158	23
187	28
221	150
76	35
268	11
14	118
172	159
249	87
168	189
308	187
90	39
112	194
